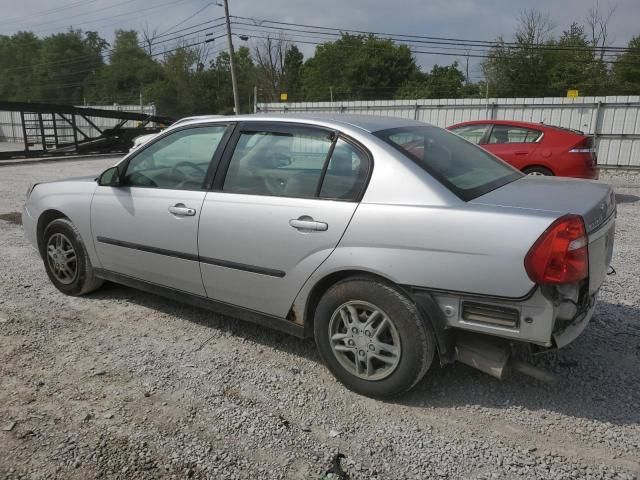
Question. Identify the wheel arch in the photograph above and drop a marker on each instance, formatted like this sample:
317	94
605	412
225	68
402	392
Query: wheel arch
537	165
426	305
45	219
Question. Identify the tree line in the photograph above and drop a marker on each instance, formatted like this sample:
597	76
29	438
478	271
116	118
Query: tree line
77	67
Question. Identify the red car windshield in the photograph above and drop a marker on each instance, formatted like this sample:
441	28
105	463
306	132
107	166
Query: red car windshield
467	170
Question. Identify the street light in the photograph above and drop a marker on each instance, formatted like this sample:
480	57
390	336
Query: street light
244	38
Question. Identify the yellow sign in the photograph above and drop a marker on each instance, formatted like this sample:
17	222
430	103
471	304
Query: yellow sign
572	93
283	97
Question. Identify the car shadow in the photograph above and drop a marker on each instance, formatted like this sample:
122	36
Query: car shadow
598	373
225	324
598	376
626	198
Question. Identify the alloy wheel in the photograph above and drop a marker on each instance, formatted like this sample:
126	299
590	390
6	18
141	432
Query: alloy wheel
364	340
61	258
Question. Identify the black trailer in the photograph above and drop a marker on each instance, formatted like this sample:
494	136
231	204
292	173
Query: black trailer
51	130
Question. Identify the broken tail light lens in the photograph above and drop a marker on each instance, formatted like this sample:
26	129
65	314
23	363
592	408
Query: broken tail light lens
561	254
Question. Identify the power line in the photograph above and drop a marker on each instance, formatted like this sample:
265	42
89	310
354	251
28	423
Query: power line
50	11
133	14
458	41
463	48
68	17
329	31
485	54
189	17
412	48
83	58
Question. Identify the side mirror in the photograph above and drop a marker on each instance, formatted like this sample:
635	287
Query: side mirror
109	178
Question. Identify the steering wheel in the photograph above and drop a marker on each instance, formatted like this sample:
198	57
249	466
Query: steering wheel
175	172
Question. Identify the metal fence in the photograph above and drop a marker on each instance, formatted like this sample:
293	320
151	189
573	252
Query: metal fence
613	121
11	125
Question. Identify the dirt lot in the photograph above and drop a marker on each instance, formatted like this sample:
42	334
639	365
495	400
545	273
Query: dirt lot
122	384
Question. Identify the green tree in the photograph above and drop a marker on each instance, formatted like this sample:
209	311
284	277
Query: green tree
130	70
220	81
575	65
19	57
56	68
291	81
440	82
523	69
68	62
626	69
358	67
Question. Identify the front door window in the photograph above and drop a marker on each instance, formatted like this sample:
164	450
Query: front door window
178	161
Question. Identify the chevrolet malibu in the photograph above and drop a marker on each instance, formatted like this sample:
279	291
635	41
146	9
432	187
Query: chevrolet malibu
389	241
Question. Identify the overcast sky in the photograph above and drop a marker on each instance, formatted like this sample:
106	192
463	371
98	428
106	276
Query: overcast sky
466	19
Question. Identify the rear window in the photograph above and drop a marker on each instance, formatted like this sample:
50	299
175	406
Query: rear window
467	170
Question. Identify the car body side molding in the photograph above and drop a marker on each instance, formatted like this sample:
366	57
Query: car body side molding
247	315
196	258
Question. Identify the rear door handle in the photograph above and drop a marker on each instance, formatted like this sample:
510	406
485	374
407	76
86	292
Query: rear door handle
521	152
306	223
181	210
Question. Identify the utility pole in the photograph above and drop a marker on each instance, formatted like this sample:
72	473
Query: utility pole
467	69
234	83
486	97
331	94
255	99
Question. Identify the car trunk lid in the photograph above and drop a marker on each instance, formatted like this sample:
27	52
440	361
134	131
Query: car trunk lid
592	200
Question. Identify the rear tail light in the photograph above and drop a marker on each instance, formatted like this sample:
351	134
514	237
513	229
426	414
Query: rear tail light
561	254
581	150
584	146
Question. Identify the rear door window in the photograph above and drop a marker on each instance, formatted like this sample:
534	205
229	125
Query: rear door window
508	134
287	162
346	172
296	161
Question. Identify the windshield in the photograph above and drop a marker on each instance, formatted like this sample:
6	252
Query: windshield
467	170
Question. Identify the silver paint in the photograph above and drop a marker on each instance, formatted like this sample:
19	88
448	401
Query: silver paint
408	228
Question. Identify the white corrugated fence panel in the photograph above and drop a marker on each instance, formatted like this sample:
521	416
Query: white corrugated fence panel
615	119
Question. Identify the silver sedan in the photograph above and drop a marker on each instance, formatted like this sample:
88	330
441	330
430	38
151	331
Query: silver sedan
389	241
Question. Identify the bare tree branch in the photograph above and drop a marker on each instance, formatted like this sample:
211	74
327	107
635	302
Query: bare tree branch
534	27
598	25
269	55
148	37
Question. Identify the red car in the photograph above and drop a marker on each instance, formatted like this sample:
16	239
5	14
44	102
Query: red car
534	148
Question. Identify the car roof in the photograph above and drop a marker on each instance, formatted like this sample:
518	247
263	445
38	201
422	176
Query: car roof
516	123
368	123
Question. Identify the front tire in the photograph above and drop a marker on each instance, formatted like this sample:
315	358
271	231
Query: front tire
372	337
66	260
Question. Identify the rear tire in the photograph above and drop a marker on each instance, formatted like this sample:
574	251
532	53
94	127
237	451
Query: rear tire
372	337
538	171
66	260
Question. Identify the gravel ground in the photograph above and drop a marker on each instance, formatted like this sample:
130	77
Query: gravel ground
122	384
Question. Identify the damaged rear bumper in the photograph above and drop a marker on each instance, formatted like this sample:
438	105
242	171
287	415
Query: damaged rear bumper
567	332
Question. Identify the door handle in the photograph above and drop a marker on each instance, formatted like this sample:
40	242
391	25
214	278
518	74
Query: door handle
521	152
179	209
306	223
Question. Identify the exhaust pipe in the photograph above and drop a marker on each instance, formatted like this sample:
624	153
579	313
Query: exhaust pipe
492	356
483	353
534	372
